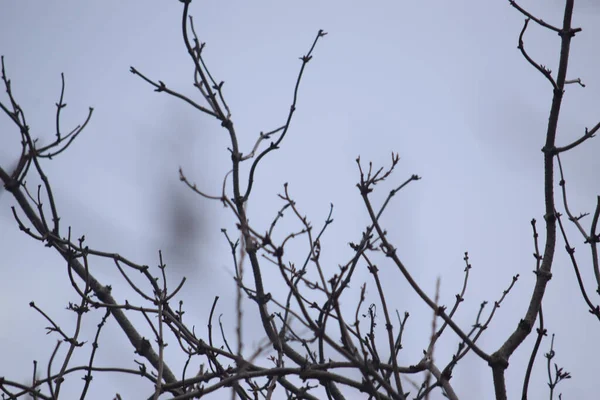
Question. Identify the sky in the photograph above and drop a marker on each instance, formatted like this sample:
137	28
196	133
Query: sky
441	83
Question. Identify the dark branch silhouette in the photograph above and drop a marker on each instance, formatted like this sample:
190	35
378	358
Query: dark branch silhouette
313	347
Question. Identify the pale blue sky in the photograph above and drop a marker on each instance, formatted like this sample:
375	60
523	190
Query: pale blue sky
441	83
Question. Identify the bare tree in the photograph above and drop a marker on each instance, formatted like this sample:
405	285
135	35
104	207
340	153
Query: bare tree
313	347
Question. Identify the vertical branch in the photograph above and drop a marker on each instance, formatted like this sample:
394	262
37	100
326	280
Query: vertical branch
541	331
160	300
500	358
388	324
431	348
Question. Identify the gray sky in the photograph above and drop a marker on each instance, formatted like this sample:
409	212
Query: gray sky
441	83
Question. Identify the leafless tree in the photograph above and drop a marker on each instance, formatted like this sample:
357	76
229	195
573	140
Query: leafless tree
313	348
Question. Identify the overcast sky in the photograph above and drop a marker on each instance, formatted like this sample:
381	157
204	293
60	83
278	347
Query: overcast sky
441	83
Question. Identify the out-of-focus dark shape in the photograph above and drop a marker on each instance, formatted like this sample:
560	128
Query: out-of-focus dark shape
183	221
